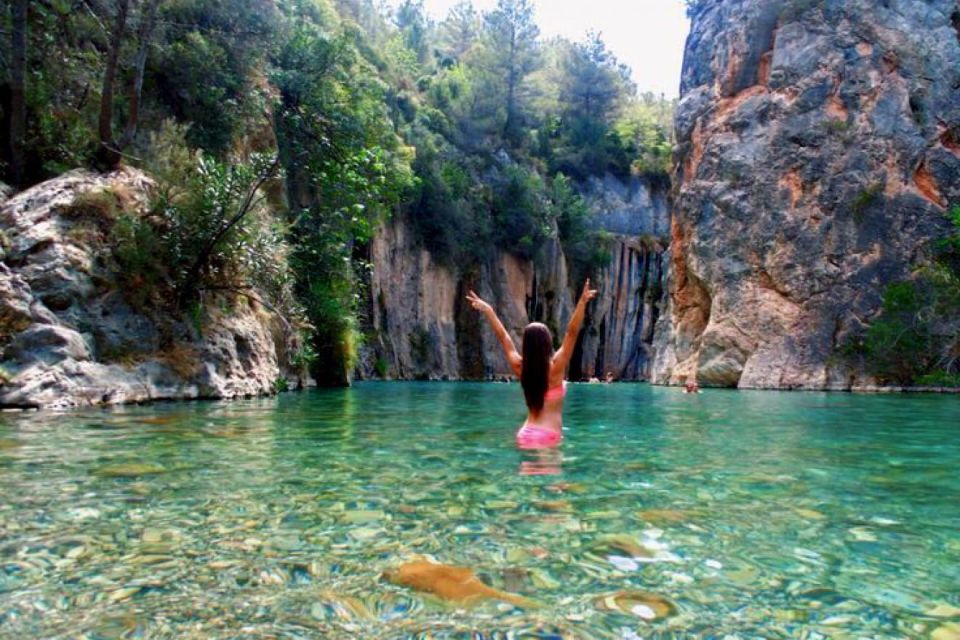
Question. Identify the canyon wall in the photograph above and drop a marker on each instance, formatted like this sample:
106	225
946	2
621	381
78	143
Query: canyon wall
818	151
419	325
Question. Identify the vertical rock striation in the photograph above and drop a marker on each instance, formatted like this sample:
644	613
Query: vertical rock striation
817	154
420	326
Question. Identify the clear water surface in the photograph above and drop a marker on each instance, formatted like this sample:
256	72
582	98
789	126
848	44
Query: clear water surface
724	514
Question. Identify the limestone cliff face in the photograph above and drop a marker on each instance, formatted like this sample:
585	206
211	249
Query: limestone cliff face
68	335
420	326
818	149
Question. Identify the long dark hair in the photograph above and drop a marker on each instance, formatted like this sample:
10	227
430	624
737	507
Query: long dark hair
537	352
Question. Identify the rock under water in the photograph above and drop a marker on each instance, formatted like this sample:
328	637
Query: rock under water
453	584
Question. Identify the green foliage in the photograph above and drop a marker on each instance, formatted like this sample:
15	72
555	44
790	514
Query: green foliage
864	200
281	385
142	272
916	338
380	367
305	355
898	344
511	53
459	32
519	213
98	206
445	212
644	138
206	68
345	169
939	379
421	343
593	86
585	248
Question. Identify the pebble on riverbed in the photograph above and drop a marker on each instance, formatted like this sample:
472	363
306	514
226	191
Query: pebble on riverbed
453	584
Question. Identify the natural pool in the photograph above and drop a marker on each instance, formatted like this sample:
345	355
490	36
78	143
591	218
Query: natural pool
737	514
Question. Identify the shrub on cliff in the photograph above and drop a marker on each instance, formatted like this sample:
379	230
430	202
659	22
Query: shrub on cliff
916	338
519	213
585	248
209	228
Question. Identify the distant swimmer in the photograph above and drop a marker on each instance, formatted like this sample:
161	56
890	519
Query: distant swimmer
691	387
540	369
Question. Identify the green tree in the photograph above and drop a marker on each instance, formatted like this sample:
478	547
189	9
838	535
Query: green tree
593	88
345	169
209	71
412	22
511	53
459	31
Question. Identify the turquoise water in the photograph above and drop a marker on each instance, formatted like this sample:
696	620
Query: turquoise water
738	514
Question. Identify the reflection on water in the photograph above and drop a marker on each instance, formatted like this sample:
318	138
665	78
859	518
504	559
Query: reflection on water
661	515
546	461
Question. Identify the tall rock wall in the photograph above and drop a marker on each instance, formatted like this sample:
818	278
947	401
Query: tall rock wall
818	150
420	326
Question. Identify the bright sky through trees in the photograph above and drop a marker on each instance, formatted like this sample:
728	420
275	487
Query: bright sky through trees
647	35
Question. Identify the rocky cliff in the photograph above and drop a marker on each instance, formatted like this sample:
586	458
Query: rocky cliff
419	325
818	150
69	336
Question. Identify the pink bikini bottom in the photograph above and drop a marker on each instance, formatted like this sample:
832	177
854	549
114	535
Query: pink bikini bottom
533	436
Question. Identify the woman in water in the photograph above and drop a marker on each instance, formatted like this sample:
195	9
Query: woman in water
540	369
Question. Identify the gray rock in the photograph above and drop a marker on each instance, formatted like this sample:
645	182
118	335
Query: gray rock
48	344
808	178
69	338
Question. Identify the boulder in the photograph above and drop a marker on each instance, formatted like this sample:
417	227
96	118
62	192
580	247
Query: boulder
68	335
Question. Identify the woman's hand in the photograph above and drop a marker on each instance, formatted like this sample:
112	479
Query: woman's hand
477	303
588	293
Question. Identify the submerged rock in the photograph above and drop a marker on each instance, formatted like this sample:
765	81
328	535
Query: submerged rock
128	470
645	605
453	584
948	631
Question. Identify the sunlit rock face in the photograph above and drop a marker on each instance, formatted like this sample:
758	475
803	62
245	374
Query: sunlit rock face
420	326
818	150
70	337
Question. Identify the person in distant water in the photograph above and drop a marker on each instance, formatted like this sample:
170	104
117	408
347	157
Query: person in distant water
609	377
691	386
540	369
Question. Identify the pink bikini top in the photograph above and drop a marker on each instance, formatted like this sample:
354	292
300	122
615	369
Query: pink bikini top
556	393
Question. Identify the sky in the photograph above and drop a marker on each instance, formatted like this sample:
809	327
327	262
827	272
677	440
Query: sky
647	35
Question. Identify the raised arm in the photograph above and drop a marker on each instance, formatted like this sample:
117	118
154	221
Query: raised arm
510	349
562	357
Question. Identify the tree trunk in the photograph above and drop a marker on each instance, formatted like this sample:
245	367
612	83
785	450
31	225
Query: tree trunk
109	153
18	108
144	36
